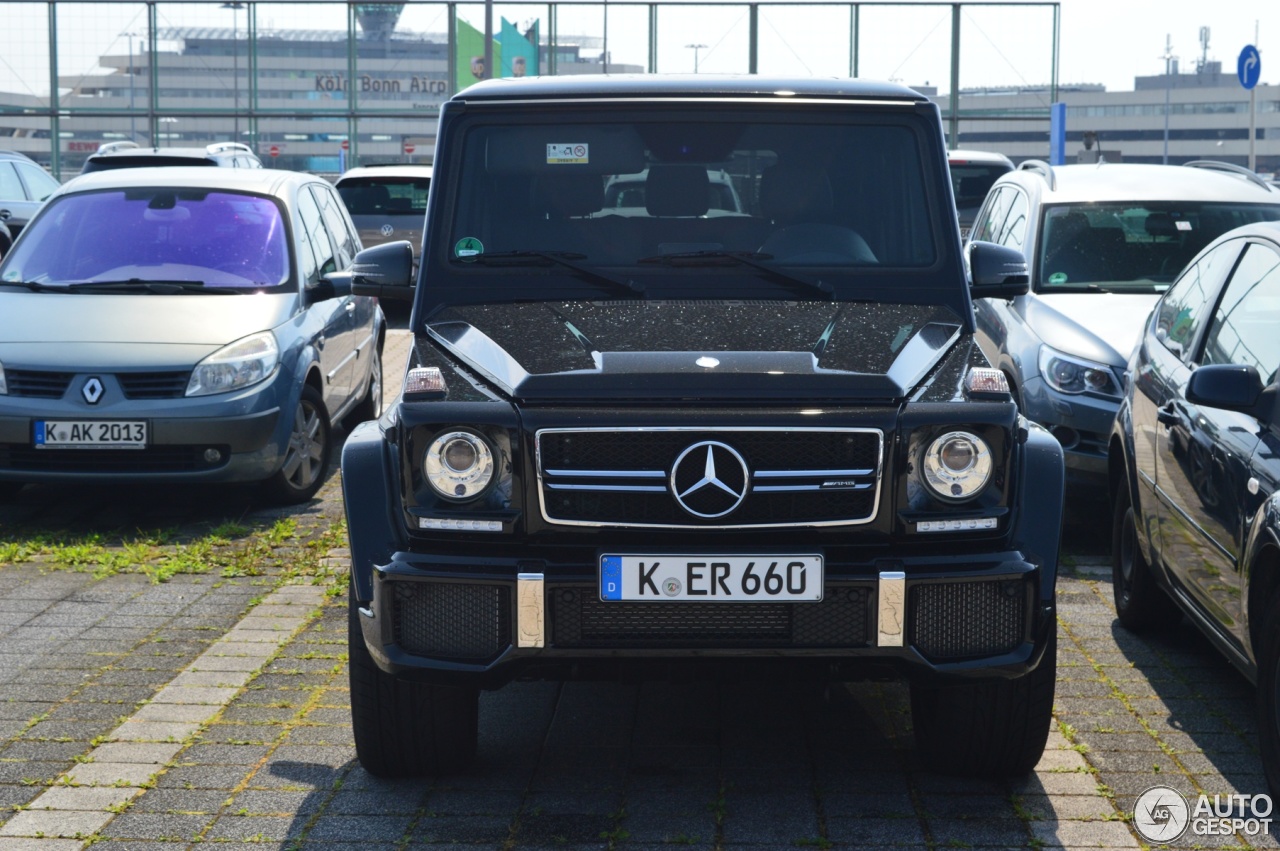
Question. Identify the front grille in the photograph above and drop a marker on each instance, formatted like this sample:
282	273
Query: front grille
795	477
152	459
452	621
154	385
952	620
581	620
37	384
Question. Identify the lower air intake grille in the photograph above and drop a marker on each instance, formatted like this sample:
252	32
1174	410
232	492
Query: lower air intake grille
452	621
153	459
581	619
952	620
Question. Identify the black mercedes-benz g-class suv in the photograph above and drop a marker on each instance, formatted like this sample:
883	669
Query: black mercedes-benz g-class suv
667	439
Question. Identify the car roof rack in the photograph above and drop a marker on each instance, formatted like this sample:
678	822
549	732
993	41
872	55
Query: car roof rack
217	147
1218	165
1041	168
122	145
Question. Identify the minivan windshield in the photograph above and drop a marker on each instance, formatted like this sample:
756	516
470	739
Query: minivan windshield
618	188
217	239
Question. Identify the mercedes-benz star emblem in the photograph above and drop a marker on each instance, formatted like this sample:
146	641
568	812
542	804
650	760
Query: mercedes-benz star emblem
92	390
387	230
709	479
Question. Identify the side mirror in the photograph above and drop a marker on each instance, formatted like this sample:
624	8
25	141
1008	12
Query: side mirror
332	285
384	271
997	271
1232	387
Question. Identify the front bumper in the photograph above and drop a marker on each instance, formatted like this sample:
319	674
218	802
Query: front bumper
1080	423
486	625
233	437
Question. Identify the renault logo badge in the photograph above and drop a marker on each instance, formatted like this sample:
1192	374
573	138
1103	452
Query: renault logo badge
92	390
709	479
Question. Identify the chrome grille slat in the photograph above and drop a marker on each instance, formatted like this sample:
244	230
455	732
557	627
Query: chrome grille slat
588	476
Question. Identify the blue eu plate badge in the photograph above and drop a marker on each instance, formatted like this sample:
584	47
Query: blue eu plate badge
611	578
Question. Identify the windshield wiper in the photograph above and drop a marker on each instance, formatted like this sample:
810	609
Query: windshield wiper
753	259
33	286
160	287
1052	289
564	258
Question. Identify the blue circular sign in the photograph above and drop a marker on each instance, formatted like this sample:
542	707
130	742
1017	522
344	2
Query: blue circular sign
1249	66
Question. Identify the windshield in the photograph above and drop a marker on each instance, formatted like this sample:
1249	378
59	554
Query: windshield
970	182
365	196
795	188
219	239
1134	247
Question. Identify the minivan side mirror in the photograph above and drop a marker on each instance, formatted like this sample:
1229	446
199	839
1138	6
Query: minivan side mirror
384	271
1232	387
997	271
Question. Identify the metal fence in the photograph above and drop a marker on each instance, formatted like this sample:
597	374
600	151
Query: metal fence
320	86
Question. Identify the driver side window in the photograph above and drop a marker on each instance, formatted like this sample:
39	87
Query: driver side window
313	241
1183	309
1244	326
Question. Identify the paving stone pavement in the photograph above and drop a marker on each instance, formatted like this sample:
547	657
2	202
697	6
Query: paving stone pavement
86	665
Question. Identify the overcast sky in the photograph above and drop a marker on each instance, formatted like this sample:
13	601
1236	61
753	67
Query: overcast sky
1102	41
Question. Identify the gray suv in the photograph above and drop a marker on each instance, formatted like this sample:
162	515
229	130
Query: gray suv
1102	242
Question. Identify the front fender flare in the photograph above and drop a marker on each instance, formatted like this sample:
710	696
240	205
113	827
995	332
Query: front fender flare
370	497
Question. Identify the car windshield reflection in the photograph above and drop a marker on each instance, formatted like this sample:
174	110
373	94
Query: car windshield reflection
219	239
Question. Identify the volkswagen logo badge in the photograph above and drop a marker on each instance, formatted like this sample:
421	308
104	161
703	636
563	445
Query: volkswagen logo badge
709	479
92	390
387	230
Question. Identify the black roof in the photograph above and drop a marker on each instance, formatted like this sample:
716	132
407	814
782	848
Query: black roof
686	85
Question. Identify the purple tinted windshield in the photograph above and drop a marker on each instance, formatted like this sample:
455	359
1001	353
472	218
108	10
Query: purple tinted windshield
219	239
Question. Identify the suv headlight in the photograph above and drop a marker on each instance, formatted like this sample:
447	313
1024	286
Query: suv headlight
240	364
1068	374
956	465
458	465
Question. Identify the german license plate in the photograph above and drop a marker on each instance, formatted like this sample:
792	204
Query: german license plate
711	578
90	434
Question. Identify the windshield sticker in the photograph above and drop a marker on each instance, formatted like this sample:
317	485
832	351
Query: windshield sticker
575	153
1058	278
1182	224
468	246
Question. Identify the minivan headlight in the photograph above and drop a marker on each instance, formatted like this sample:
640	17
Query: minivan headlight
1069	374
232	367
957	465
458	465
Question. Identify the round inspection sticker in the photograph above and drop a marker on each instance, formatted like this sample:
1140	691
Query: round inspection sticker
468	246
1058	278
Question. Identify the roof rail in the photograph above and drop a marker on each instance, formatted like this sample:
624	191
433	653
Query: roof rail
1041	168
1216	165
229	146
108	147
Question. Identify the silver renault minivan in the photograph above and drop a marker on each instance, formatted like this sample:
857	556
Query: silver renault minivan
184	325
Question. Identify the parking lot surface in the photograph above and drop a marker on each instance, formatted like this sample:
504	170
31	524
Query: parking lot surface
192	689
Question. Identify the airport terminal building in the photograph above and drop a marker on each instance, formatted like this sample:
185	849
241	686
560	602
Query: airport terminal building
323	101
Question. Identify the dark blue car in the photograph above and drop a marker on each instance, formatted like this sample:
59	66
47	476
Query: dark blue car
1195	465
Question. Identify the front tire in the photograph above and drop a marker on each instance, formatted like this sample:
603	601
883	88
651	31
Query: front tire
988	729
404	728
307	456
1140	601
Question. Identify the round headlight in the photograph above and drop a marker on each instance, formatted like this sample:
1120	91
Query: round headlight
458	464
957	465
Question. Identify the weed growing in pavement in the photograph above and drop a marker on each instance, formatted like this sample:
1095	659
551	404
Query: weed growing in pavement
280	550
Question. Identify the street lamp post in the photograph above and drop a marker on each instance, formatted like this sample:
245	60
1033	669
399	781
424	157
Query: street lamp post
235	62
695	48
133	118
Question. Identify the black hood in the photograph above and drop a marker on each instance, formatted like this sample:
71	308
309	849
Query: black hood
706	349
